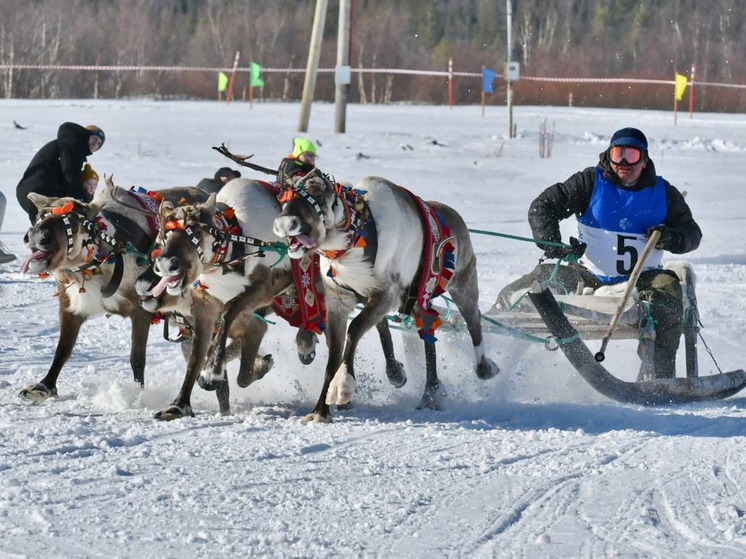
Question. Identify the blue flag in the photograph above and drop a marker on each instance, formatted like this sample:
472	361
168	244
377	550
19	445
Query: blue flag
488	77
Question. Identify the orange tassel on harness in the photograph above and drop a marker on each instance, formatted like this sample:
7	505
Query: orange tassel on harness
64	210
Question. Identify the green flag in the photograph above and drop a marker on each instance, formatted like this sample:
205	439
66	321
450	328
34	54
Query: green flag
256	72
222	81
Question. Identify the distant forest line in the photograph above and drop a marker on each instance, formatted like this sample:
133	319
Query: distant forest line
555	38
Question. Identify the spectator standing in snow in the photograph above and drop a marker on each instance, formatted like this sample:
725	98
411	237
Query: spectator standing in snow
618	204
5	254
57	168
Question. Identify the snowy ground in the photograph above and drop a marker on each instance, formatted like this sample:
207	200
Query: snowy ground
531	464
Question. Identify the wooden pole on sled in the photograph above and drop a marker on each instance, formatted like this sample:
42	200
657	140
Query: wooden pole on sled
634	276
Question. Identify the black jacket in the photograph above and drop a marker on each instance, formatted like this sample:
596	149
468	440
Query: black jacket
222	177
290	167
564	199
57	168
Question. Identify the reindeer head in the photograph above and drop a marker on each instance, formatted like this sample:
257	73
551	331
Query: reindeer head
185	244
311	212
58	236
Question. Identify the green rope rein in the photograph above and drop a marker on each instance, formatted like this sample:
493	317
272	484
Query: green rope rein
399	322
514	332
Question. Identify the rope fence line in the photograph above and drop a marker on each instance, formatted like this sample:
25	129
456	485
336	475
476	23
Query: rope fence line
247	70
399	71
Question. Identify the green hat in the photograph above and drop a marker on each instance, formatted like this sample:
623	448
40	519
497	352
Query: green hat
301	145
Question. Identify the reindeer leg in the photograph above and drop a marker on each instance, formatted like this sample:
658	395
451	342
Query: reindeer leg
433	396
394	369
336	326
140	329
223	394
233	350
343	386
187	346
252	366
256	295
204	314
464	291
69	329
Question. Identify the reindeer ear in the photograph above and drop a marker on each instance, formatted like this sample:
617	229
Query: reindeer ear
39	200
165	206
109	180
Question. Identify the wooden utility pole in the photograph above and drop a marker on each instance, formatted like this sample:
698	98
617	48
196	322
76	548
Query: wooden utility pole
507	78
314	53
342	72
691	92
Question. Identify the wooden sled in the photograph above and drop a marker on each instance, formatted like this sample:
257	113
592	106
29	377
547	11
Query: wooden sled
567	320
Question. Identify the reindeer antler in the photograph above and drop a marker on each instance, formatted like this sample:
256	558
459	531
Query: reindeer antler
241	160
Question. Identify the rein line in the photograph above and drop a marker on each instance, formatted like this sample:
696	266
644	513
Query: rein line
517	238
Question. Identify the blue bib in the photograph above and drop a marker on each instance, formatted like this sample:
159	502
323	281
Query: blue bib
615	226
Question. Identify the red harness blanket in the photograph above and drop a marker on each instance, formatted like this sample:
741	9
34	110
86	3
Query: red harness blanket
302	307
437	265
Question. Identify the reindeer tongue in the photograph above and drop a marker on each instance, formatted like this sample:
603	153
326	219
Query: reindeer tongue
38	255
161	287
306	241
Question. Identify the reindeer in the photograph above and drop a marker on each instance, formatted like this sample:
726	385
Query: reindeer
386	247
198	248
246	333
95	252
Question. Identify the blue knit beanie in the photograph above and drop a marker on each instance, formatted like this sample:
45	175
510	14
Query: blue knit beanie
629	137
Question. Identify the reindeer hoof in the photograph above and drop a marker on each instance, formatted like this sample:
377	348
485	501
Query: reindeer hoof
37	393
396	374
347	406
487	369
209	385
432	399
262	365
210	380
342	388
306	342
307	358
174	412
316	417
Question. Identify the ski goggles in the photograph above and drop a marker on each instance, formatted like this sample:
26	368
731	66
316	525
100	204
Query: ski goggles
625	154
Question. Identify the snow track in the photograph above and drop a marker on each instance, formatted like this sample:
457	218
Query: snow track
532	464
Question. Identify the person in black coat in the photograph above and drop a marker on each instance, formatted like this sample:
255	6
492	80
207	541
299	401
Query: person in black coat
618	204
222	176
57	168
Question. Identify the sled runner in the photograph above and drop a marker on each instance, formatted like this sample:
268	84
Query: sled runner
568	321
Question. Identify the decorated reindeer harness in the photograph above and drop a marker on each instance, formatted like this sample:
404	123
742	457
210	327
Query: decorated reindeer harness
128	237
437	261
302	308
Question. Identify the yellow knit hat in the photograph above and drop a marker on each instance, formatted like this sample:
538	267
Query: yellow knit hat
89	173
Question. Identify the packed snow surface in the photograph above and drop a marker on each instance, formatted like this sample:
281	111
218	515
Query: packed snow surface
532	463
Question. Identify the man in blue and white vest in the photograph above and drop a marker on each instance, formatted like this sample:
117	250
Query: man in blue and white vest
618	203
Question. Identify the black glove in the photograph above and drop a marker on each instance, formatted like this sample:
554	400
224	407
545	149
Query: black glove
670	238
575	250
